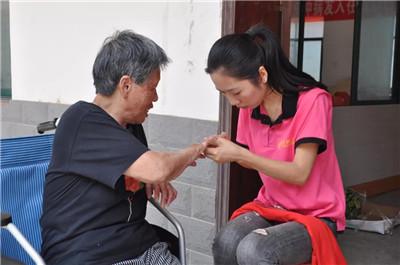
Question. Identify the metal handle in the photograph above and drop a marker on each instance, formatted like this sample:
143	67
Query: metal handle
47	126
178	227
24	243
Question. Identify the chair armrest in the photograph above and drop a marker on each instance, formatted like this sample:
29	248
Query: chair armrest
47	126
178	227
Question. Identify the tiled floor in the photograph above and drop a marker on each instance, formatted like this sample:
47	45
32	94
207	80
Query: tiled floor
365	248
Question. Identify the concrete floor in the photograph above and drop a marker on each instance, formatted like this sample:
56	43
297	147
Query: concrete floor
366	248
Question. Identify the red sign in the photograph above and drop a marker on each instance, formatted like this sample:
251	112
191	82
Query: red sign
329	10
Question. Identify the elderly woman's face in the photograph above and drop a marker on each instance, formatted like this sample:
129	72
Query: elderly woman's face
142	97
240	93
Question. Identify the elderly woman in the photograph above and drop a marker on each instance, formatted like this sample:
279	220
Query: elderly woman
94	201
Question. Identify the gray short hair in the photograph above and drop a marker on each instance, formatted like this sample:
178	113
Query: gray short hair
126	53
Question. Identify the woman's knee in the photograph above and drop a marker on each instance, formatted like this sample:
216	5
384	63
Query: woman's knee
218	243
223	248
287	243
225	241
257	248
238	228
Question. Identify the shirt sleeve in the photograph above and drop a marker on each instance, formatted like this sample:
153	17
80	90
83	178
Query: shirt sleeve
315	121
103	149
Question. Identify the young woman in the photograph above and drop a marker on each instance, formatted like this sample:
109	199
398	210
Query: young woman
285	133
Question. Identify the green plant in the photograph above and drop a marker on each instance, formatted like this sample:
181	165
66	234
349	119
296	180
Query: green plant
354	201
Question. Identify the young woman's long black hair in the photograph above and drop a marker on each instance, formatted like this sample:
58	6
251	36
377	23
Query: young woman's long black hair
240	55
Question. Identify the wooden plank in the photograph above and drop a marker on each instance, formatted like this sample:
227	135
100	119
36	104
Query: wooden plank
378	186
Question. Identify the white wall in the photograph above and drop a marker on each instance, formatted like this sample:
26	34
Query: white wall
53	46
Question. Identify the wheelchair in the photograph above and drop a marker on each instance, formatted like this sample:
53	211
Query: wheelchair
24	164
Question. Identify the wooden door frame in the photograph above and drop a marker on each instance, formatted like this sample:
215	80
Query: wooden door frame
225	120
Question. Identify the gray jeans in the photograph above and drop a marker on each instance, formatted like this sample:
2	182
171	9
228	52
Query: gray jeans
251	239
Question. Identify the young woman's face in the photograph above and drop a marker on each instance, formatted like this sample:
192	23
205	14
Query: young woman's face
240	93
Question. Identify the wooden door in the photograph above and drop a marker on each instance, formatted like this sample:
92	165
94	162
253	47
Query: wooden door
245	183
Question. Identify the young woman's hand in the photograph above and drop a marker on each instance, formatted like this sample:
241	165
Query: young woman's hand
164	193
221	149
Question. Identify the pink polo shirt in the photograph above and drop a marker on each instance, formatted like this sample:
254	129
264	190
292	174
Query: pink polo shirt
306	118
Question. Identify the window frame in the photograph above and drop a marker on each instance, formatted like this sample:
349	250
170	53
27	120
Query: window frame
395	98
321	40
355	65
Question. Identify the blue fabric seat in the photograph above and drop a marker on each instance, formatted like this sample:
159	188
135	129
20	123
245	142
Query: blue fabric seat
24	163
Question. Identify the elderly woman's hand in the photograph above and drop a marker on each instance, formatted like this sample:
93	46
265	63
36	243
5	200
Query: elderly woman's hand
164	192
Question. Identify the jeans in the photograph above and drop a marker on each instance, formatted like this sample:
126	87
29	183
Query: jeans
251	239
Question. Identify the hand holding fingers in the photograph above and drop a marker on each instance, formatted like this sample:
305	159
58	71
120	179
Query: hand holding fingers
212	153
223	151
211	141
199	153
202	148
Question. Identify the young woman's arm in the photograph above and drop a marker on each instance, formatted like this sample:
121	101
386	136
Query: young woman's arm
294	172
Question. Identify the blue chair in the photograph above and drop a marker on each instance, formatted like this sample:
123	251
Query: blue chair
24	162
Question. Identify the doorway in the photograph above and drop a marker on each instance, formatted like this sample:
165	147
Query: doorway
237	185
